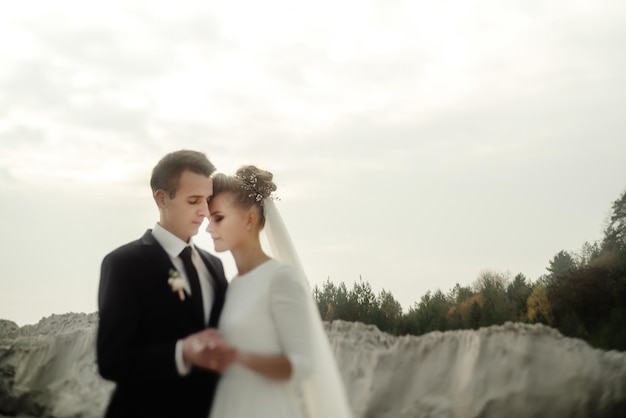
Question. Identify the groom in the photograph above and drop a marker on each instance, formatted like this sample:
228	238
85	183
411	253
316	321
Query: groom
156	303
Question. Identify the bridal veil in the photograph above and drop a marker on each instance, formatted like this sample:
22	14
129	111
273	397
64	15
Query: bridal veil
323	391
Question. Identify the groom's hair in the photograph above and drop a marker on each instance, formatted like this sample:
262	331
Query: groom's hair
167	172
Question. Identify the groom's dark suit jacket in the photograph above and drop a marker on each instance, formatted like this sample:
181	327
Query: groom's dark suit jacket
141	319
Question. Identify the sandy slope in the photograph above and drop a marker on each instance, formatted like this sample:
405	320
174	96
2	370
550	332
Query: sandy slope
506	371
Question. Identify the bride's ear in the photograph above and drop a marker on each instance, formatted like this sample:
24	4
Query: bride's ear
251	219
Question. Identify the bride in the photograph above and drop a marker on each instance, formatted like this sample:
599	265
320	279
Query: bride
283	365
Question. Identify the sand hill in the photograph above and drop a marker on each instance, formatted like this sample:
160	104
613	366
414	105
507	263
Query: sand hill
509	371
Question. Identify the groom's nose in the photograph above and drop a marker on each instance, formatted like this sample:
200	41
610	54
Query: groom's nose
204	209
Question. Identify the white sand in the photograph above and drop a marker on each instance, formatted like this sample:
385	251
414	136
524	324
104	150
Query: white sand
506	371
49	369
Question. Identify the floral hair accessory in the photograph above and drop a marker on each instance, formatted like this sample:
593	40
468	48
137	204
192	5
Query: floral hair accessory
258	193
177	283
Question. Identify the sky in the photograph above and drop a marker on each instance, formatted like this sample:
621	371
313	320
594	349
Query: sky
415	144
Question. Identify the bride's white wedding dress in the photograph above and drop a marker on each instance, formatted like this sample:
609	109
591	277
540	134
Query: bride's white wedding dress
265	313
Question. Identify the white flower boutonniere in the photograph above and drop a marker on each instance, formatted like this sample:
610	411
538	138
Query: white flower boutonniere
177	283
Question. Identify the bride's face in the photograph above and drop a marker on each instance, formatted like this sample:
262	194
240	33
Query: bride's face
229	223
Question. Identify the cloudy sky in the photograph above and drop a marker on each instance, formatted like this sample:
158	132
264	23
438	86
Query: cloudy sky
415	143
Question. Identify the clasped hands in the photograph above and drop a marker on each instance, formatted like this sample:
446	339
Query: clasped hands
208	349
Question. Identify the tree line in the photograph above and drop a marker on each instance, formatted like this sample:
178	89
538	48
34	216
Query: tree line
583	295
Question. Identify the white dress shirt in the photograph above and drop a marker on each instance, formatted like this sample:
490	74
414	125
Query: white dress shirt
173	246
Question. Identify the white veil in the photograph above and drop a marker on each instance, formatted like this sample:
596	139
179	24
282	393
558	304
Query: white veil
323	391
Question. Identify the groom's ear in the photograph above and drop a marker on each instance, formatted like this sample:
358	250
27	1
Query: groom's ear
159	198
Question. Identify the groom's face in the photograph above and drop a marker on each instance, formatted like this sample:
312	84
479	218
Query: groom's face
183	214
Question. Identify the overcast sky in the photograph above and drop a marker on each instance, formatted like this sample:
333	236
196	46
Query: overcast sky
415	143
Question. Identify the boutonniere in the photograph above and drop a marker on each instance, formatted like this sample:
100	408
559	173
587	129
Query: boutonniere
177	283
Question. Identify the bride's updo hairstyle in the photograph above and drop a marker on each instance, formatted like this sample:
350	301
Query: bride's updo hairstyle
250	186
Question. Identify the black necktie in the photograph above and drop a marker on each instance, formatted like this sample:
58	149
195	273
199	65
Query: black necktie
194	281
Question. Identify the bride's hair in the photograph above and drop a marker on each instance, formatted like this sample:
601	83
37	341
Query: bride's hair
250	186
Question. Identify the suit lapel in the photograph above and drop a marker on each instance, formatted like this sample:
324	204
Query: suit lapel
215	279
219	284
160	261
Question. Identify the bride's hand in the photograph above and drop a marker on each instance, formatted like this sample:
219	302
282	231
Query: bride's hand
209	350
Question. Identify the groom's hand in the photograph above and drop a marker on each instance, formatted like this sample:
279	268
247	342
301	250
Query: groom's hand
208	349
